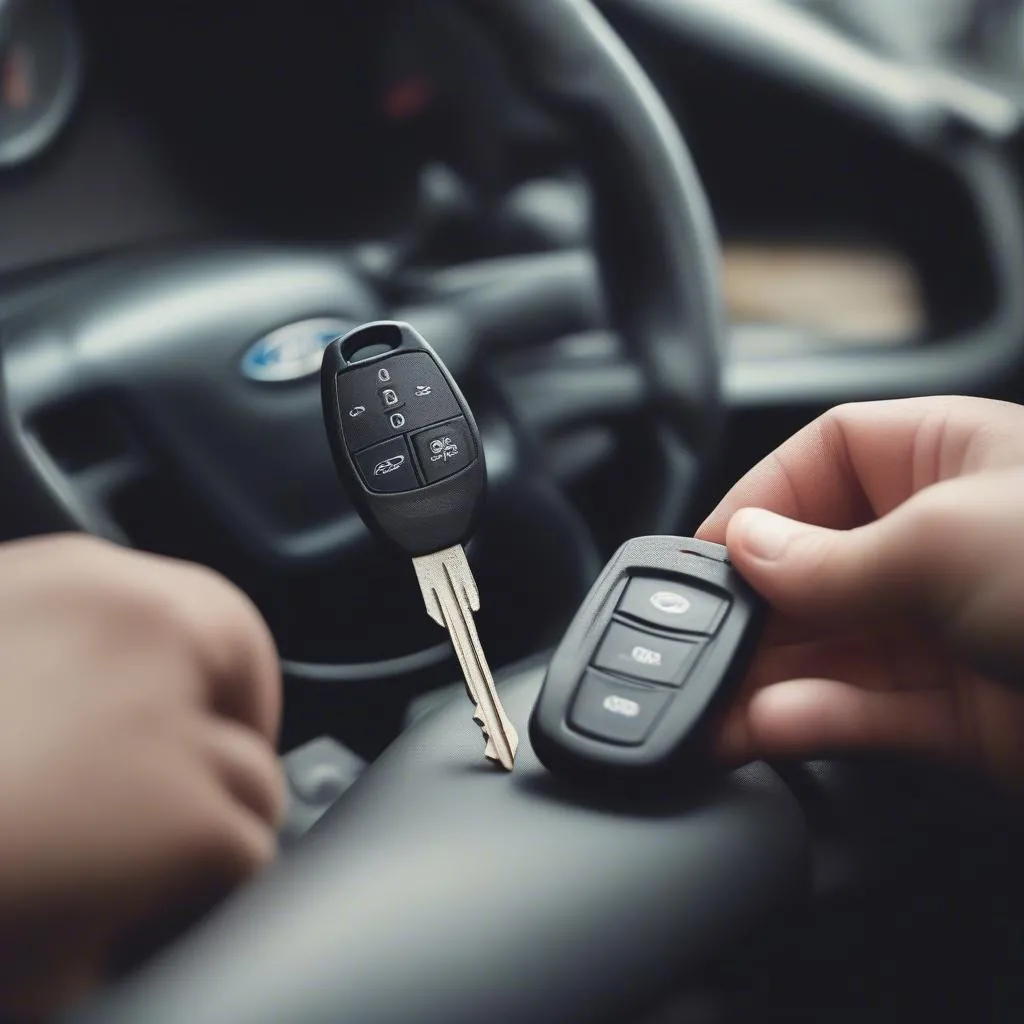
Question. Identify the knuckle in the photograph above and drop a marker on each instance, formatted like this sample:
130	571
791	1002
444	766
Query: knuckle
238	625
112	582
160	604
932	517
78	545
277	791
215	625
247	851
229	845
922	548
78	560
267	782
839	416
215	619
150	609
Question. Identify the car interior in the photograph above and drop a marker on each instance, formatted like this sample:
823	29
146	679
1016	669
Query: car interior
650	239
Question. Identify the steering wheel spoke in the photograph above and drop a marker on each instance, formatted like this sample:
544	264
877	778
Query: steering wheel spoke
514	302
84	496
577	381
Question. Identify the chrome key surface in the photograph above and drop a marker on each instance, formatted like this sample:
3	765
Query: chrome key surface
410	454
451	597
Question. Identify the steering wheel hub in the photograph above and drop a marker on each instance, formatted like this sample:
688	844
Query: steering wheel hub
293	352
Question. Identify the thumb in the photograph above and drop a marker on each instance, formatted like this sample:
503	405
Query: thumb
888	566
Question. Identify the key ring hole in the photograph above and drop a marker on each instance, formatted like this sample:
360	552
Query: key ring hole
371	340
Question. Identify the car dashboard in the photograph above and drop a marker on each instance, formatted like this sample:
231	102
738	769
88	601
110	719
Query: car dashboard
316	123
859	260
856	261
305	122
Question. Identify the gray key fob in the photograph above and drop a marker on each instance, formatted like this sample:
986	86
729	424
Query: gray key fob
657	648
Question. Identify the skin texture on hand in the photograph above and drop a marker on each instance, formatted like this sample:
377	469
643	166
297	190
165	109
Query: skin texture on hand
139	705
888	538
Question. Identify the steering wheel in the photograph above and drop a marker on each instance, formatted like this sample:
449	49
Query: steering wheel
435	891
126	374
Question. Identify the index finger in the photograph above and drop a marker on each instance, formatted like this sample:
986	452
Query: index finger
857	462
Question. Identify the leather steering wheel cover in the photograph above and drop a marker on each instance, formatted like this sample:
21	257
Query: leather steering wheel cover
657	243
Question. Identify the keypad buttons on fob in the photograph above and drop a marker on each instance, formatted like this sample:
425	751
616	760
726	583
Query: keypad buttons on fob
672	605
387	468
648	664
627	651
443	450
615	710
413	395
403	437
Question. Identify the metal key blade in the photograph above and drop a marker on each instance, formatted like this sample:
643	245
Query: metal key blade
450	595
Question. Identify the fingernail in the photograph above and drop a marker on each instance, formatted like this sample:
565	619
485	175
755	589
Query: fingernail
767	535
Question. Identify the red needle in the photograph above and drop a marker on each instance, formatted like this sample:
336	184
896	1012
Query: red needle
16	79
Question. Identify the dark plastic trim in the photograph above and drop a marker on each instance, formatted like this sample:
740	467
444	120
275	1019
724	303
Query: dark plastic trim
923	105
973	362
443	892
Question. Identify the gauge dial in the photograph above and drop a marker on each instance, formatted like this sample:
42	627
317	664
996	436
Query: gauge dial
40	75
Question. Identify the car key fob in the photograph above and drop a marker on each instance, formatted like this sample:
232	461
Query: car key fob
403	438
408	450
649	662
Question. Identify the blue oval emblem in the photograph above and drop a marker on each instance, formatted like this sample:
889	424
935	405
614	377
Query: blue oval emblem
293	351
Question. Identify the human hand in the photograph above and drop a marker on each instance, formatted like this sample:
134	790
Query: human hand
897	583
139	704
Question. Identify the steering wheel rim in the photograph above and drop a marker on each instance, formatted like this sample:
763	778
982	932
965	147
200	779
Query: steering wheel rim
655	239
657	256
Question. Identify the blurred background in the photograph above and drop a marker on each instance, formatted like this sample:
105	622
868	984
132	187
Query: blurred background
984	37
181	180
120	125
243	168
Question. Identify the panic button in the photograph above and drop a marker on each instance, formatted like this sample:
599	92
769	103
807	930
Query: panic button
631	653
444	450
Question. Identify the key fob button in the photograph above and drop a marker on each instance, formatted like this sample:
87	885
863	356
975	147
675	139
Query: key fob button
443	450
364	398
625	635
644	656
387	467
667	604
424	392
616	711
389	398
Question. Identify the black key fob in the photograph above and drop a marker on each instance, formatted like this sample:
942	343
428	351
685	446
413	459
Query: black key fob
404	440
654	654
